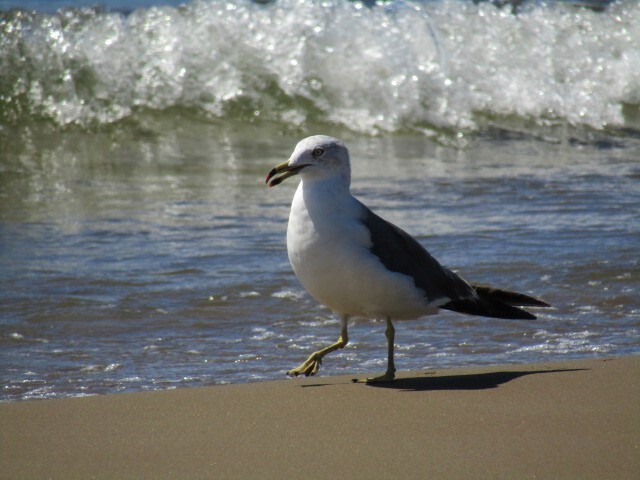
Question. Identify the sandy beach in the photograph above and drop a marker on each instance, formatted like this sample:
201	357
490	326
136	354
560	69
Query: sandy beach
576	419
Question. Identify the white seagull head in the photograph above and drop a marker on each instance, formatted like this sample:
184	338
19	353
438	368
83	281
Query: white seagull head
314	158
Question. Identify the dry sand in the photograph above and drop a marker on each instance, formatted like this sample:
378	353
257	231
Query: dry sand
576	419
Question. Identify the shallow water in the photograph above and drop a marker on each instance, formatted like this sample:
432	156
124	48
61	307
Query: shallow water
141	250
139	260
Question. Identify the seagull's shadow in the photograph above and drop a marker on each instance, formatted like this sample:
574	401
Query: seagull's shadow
474	381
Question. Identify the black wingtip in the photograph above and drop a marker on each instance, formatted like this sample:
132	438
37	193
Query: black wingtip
496	303
483	308
510	298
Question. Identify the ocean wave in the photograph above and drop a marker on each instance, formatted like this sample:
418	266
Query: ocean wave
395	66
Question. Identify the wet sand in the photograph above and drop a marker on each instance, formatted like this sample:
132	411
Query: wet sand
575	419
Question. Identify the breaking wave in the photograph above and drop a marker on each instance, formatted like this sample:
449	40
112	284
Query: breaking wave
394	66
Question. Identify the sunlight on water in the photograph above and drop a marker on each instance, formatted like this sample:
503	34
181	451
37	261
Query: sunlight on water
137	259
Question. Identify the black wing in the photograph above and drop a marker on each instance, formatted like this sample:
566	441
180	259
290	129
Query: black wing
400	252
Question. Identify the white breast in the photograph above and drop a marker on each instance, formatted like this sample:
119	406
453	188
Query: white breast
329	249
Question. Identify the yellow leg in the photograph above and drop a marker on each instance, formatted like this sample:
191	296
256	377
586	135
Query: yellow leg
390	374
312	364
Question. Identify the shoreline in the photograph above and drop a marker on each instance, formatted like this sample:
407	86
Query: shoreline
573	419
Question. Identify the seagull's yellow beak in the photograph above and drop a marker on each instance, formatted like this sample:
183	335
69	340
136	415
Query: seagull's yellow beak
285	169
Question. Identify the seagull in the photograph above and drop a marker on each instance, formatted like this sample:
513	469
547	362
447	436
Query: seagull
360	265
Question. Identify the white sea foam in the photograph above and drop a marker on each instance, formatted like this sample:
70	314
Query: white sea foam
288	295
389	67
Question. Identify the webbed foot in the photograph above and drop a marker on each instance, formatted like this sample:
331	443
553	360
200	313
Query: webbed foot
309	367
312	364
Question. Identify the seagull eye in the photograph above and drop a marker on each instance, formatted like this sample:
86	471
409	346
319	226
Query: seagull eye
317	152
